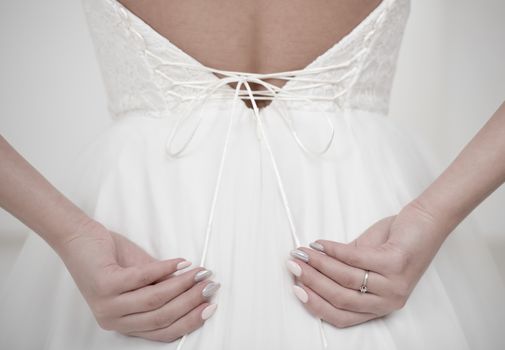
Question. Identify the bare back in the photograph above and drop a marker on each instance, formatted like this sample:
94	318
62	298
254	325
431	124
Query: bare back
261	36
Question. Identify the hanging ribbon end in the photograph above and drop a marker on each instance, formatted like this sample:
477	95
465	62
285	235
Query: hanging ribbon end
323	335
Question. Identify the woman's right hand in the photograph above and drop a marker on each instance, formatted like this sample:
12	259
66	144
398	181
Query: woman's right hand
133	293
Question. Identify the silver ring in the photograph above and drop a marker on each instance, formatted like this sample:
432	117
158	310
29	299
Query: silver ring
364	288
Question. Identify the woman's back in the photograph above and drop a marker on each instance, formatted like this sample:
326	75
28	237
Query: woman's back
254	36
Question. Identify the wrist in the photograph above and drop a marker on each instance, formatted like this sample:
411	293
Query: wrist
82	227
417	233
442	221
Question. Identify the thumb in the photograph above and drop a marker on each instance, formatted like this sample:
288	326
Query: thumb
129	253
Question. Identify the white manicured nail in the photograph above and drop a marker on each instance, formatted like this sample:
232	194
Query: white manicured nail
183	264
208	311
294	268
300	293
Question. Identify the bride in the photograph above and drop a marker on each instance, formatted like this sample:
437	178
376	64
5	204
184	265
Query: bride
134	224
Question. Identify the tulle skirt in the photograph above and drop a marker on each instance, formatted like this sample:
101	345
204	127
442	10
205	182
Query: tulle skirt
124	179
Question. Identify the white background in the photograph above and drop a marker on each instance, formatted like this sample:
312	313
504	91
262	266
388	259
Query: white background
450	80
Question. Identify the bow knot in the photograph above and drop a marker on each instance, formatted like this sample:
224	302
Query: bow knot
272	91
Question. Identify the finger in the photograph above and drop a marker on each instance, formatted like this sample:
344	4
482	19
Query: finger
320	308
171	311
135	277
154	296
345	275
338	296
186	324
363	257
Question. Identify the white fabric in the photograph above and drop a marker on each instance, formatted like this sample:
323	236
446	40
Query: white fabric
245	186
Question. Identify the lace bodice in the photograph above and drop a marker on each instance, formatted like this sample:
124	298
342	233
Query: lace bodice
133	56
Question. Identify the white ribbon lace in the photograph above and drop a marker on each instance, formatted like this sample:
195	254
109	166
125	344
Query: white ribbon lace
243	78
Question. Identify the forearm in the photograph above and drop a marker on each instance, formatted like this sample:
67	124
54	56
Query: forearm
477	171
27	195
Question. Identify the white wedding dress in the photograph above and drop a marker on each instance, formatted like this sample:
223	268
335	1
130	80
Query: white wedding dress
323	160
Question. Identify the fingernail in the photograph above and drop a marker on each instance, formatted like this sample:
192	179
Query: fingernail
208	311
300	254
301	294
294	268
183	264
317	246
210	289
201	275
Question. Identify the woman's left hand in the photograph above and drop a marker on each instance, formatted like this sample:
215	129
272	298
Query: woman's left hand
395	250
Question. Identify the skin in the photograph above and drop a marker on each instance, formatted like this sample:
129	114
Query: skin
133	293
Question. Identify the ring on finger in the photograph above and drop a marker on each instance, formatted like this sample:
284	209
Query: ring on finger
363	289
